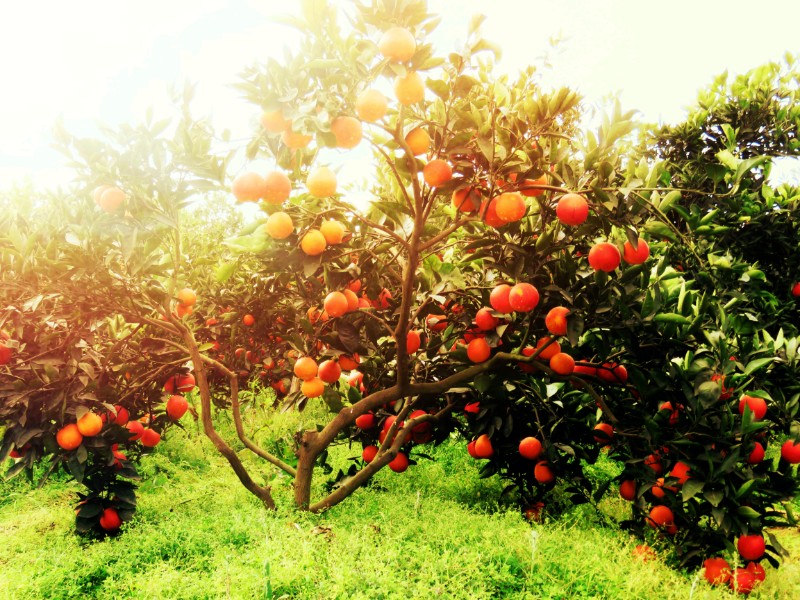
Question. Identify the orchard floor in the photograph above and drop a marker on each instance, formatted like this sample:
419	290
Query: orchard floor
435	531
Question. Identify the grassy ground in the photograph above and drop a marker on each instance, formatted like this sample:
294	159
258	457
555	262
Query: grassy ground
434	531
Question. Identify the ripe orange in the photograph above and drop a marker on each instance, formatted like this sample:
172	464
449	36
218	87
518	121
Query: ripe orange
347	131
399	463
352	299
335	304
305	368
759	574
717	571
543	473
758	406
796	289
468	200
413	341
661	516
644	553
638	256
109	198
613	373
523	297
604	256
279	226
187	297
348	362
572	209
313	243
277	187
329	371
556	320
530	448
751	547
742	581
604	433
478	350
136	429
150	438
294	140
5	354
757	455
177	407
627	490
530	193
110	520
790	452
90	424
249	187
437	172
548	352
681	472
484	319
369	453
321	182
371	106
273	121
397	44
69	437
312	388
182	310
510	207
499	298
409	89
483	447
562	363
489	216
418	141
333	231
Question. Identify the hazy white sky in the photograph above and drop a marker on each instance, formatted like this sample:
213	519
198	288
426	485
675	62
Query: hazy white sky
105	60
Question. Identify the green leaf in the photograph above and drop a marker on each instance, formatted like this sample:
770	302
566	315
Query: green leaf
755	365
691	488
225	271
671	318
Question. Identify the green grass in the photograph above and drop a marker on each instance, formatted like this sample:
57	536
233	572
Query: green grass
435	531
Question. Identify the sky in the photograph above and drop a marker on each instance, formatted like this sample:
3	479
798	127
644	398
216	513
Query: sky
91	61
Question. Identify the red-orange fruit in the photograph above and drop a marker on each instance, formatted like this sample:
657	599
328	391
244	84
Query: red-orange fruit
523	297
572	209
604	256
530	448
478	350
637	256
556	320
483	446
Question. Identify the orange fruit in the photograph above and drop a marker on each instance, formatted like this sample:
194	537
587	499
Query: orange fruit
273	121
638	256
248	320
758	406
661	516
69	437
409	88
150	438
5	354
313	242
397	44
294	140
478	350
790	452
556	320
349	362
187	297
530	448
182	310
483	446
489	214
90	424
437	172
543	473
751	547
529	192
716	571
627	490
485	320
499	298
605	433
681	472
109	198
277	187
335	304
369	453
312	388
523	297
371	106
352	299
572	209
136	429
329	371
418	141
110	520
399	463
562	363
279	226
604	256
306	368
742	581
347	131
249	187
548	352
332	231
176	407
413	341
321	182
510	207
468	200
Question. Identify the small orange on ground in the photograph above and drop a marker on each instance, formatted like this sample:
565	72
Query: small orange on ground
249	187
90	424
530	448
551	350
305	368
467	200
478	350
409	89
69	437
556	320
333	231
483	447
572	209
437	172
335	304
347	131
523	297
279	225
637	256
329	371
418	141
627	490
543	473
562	363
294	140
312	388
510	207
277	187
110	198
399	463
273	121
321	182
187	297
644	553
371	106
397	44
742	581
313	242
604	256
